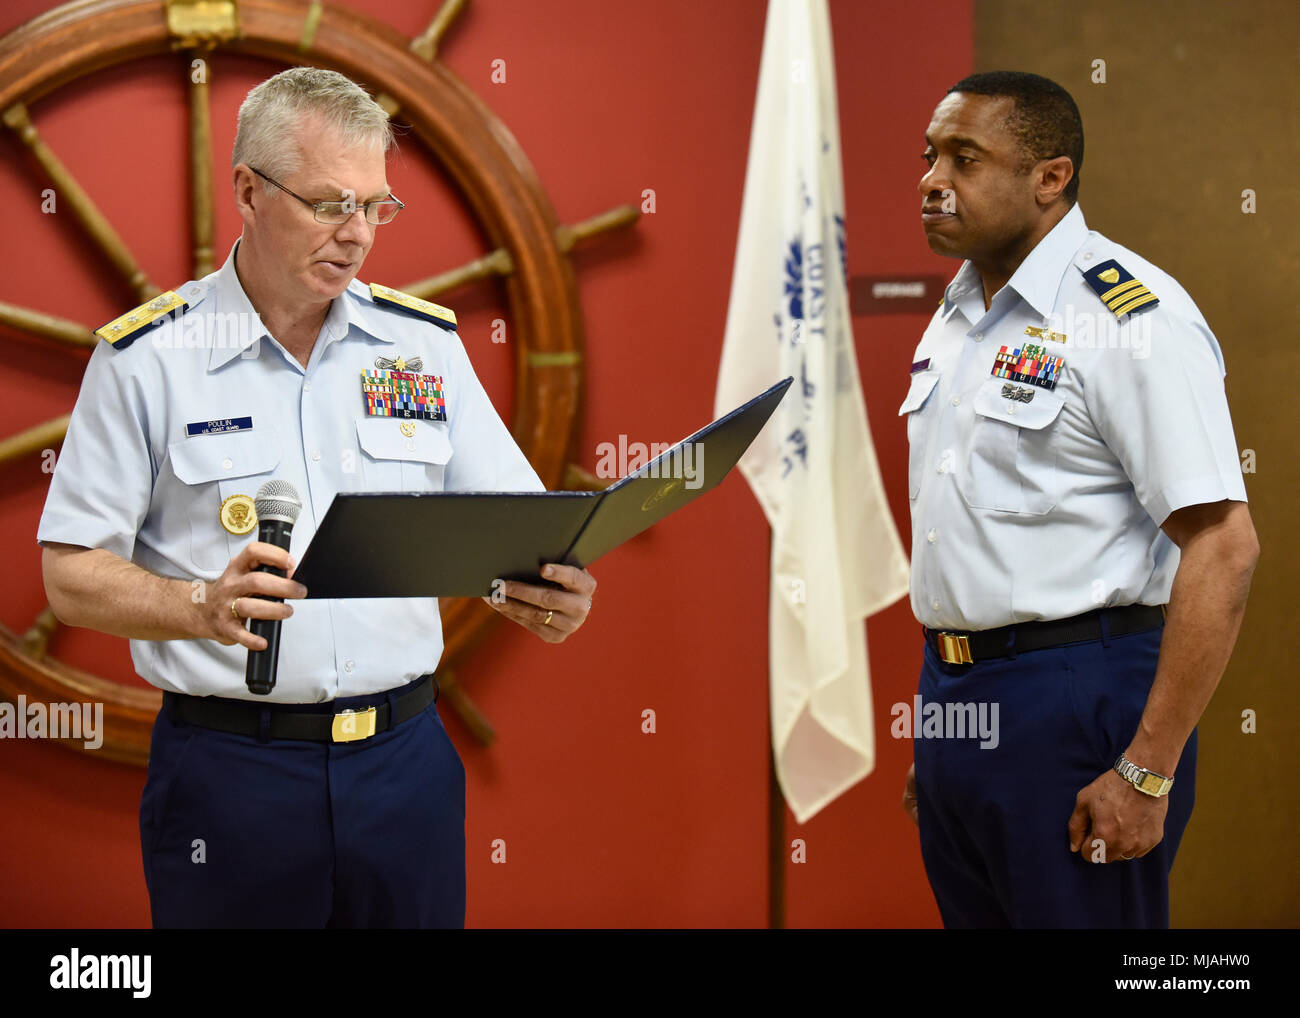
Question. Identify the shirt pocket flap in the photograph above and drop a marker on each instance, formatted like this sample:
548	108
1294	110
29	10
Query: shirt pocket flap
205	458
1041	409
382	439
923	383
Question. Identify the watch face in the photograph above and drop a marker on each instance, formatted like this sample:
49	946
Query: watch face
1151	783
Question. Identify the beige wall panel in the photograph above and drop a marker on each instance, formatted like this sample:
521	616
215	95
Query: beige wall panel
1199	104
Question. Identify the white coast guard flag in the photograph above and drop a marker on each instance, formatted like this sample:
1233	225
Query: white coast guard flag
836	555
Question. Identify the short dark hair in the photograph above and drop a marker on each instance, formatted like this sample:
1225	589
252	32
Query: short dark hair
1045	120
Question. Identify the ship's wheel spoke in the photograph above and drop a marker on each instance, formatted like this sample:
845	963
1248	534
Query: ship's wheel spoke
35	439
568	237
478	725
499	263
75	197
38	323
202	216
37	638
425	45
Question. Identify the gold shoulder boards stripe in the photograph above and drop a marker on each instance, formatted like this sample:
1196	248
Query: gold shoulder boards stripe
1118	290
122	332
426	309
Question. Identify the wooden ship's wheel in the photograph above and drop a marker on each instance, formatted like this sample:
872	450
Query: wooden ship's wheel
529	250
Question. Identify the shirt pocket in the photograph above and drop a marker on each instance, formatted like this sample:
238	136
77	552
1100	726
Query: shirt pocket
392	460
213	468
1013	452
918	394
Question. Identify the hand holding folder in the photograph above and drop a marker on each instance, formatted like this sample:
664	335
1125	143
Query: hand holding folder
470	539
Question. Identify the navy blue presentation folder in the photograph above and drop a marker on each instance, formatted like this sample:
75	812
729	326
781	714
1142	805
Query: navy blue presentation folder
454	544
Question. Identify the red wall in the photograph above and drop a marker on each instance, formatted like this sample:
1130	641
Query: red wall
604	826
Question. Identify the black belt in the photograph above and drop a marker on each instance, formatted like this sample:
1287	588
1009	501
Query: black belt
313	722
967	648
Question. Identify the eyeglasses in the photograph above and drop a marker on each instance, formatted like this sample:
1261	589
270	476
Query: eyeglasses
335	213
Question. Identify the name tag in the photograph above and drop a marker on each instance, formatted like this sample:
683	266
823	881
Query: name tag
219	426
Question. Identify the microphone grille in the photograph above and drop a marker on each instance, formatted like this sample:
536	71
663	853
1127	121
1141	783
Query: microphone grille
278	500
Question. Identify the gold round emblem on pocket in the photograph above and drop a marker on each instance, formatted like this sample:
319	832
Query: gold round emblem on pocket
238	514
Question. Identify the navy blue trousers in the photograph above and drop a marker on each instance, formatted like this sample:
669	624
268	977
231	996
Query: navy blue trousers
994	821
237	832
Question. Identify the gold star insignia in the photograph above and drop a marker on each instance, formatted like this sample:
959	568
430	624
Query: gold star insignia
400	364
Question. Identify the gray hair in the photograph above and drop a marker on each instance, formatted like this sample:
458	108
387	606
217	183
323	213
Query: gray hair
271	113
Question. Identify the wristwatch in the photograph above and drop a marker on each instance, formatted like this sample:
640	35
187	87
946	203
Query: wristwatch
1143	780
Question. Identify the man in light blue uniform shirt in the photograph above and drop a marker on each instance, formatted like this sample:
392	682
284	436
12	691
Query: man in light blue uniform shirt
1072	470
191	403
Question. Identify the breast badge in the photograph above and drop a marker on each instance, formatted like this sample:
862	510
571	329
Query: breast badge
238	514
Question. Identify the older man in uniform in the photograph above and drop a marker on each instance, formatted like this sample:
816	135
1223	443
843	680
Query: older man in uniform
256	812
1072	472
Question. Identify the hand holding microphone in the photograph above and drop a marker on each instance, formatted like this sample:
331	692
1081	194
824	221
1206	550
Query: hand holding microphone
253	587
278	505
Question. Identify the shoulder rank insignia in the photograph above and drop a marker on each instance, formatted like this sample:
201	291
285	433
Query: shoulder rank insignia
426	309
1118	290
122	332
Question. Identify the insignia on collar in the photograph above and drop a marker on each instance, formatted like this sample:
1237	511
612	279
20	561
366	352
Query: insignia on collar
1118	290
426	309
122	332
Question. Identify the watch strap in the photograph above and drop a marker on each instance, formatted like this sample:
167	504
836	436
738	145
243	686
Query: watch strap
1143	780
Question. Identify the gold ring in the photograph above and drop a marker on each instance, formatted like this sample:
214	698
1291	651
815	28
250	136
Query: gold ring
234	611
547	620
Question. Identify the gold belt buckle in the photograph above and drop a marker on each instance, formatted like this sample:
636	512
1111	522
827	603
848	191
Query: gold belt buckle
955	649
353	725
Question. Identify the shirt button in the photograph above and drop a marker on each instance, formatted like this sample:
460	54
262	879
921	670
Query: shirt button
979	336
956	401
1011	408
306	386
411	446
349	665
315	456
935	604
942	468
227	463
1088	257
932	536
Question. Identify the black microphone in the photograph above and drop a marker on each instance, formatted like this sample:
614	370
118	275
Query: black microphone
278	505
